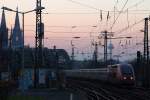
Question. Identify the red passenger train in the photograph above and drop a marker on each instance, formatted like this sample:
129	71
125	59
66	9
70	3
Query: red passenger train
116	74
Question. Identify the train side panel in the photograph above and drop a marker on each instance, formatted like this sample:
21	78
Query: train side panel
116	74
92	74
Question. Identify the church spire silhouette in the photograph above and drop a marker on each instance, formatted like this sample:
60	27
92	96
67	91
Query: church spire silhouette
17	38
3	32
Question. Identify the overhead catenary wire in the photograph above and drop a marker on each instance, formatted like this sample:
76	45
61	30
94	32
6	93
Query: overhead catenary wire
92	13
56	37
89	6
130	26
64	26
110	11
136	4
85	5
119	14
65	31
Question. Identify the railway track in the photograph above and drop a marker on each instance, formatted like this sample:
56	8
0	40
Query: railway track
93	92
97	91
129	93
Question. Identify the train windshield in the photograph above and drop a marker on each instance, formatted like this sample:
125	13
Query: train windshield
126	69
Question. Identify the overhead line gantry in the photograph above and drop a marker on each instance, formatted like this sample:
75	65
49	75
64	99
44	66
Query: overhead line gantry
38	42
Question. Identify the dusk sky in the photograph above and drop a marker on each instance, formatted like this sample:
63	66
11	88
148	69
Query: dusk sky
65	19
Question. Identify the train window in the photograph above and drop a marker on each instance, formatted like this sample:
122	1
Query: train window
126	69
114	66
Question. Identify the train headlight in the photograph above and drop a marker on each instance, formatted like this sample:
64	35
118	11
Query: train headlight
124	78
131	78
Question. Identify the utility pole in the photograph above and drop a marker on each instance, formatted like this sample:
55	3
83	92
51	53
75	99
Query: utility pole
72	53
95	55
146	48
138	70
105	36
105	47
73	49
146	55
38	42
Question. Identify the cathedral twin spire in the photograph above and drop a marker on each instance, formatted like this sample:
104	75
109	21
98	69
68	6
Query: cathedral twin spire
16	36
3	32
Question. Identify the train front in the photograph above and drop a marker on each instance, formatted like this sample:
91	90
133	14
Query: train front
127	74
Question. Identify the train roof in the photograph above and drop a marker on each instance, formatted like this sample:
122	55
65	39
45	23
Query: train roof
94	70
121	64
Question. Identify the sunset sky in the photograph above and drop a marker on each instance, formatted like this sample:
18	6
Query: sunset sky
65	19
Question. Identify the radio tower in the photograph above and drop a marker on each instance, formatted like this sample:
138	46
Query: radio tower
38	42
